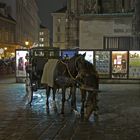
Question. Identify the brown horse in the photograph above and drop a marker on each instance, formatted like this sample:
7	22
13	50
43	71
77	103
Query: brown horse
89	85
64	77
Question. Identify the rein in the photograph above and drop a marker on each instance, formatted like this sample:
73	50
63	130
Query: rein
68	70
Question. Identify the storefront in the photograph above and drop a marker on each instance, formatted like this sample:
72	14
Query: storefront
112	64
66	54
119	64
21	64
134	64
102	63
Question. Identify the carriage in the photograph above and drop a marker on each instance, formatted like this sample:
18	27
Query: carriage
36	59
66	75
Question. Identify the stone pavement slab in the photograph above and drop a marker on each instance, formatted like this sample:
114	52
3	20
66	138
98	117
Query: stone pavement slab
119	113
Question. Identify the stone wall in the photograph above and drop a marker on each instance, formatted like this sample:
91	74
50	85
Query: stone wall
92	31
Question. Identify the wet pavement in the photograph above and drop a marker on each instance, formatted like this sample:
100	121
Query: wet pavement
119	115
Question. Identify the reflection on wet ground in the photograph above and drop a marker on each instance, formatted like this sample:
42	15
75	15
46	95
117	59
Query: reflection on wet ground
119	113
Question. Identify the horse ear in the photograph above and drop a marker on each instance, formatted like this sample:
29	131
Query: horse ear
84	54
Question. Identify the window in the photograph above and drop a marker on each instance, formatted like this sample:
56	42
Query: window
6	36
41	45
0	35
41	33
41	39
58	38
59	20
58	29
118	43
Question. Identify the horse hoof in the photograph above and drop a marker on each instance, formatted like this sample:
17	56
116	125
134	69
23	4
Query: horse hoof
96	113
77	114
85	119
47	108
62	112
30	104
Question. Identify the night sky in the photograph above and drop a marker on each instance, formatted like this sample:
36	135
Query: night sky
46	7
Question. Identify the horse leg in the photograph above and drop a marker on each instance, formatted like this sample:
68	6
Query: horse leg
48	95
83	99
54	91
54	103
63	100
95	101
69	97
73	100
91	104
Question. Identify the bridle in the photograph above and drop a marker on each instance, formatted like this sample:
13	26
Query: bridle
71	76
76	67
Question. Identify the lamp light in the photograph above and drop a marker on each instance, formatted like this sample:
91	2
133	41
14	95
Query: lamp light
26	43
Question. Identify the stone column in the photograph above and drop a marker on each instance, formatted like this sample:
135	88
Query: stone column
136	25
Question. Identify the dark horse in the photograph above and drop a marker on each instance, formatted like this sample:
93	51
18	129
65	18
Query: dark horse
64	77
89	84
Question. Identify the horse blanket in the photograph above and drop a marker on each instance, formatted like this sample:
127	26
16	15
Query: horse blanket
48	72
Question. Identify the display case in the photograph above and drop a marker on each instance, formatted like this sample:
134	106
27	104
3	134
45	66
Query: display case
134	64
21	63
89	55
102	63
66	54
119	64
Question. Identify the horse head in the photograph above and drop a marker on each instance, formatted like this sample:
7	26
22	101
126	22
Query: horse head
87	74
75	63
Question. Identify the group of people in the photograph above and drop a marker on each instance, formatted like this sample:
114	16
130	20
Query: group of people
7	66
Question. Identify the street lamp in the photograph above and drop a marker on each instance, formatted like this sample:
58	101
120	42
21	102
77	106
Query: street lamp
27	43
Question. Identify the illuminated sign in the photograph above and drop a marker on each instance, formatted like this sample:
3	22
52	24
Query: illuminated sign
21	63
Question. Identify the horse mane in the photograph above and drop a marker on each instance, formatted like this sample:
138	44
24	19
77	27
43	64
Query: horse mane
88	66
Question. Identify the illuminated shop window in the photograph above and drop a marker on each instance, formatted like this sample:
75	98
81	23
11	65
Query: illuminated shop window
102	61
134	64
89	55
119	64
21	62
68	53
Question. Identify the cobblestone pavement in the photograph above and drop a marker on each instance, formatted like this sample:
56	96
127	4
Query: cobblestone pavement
119	115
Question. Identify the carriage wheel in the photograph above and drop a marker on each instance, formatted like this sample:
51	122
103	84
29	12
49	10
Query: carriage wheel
29	90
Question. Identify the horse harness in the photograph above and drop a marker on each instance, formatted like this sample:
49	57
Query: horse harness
67	68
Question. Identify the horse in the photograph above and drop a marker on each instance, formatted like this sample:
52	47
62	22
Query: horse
88	80
64	76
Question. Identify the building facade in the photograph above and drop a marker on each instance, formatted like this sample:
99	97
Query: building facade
26	22
44	37
93	22
72	28
108	32
7	32
59	28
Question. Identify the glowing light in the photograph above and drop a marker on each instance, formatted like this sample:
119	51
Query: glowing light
5	48
26	43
